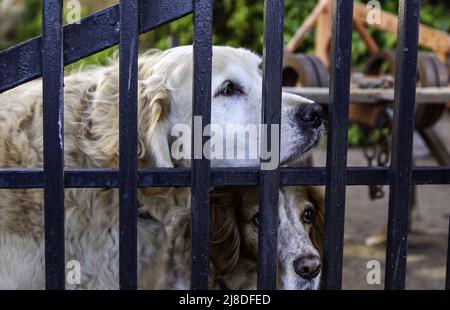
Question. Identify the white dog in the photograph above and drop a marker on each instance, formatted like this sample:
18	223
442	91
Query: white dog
91	140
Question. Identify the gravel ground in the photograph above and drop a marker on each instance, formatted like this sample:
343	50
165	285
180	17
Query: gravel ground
427	243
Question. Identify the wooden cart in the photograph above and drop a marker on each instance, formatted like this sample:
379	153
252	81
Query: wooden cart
307	71
371	96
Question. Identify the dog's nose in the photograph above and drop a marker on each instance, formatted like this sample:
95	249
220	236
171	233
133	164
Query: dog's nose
307	267
310	114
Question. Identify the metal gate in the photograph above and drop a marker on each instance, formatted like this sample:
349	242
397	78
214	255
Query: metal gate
46	56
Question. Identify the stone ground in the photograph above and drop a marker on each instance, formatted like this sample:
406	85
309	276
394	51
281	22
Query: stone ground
427	247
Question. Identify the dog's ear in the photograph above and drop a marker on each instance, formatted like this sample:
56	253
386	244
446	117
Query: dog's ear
225	237
317	232
154	107
153	146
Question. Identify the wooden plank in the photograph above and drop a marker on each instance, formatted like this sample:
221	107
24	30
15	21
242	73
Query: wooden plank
322	40
309	22
371	44
428	95
437	40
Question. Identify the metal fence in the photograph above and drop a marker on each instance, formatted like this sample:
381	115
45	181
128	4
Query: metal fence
46	56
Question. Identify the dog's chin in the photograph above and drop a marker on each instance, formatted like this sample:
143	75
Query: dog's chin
309	285
302	285
298	152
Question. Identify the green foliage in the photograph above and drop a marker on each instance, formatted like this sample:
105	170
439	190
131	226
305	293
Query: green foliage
32	22
97	59
355	135
240	23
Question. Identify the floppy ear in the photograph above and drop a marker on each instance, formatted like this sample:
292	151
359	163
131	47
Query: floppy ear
154	107
317	198
153	136
225	237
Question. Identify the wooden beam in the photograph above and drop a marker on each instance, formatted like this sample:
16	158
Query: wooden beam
309	22
436	40
372	46
323	34
426	95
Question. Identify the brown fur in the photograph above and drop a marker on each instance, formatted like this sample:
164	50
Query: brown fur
234	243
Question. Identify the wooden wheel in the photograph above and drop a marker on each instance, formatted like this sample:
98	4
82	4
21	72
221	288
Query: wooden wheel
430	73
381	63
304	70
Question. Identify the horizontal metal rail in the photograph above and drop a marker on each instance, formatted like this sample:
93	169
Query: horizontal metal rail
180	177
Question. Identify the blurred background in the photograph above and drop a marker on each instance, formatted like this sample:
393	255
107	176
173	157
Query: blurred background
239	23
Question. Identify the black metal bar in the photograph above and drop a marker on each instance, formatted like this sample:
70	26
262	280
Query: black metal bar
447	276
201	111
430	175
337	142
181	177
93	34
21	178
402	141
269	180
53	110
129	30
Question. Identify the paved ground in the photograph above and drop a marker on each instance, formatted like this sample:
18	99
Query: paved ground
365	218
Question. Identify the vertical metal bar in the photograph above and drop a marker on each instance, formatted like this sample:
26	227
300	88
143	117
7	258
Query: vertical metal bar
336	179
201	111
402	140
271	114
129	21
53	109
447	277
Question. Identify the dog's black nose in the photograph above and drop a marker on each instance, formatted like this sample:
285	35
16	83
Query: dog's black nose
307	267
310	114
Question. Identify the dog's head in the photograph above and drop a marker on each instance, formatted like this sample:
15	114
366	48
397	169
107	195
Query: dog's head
234	237
166	110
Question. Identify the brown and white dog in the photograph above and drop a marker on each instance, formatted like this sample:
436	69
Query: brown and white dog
234	241
91	122
234	238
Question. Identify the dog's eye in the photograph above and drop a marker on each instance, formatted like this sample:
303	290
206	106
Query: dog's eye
256	219
228	89
308	215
